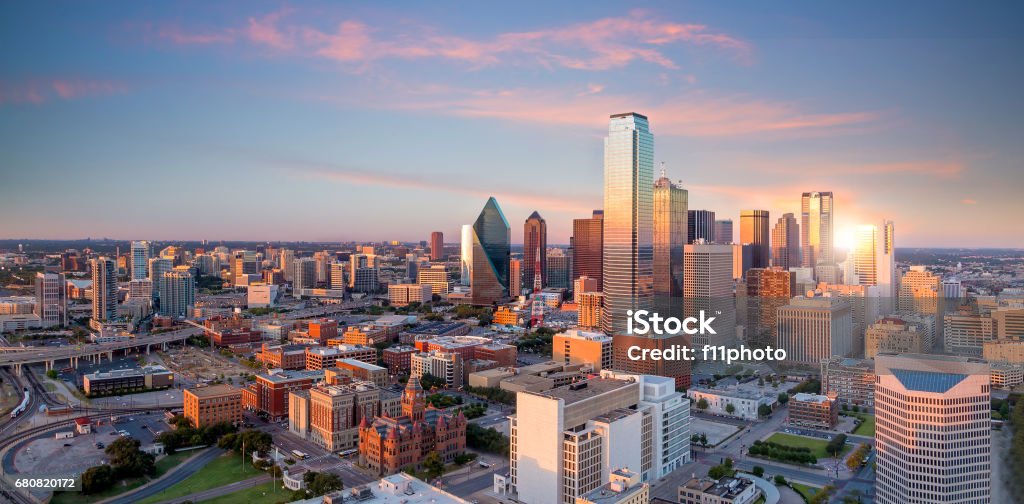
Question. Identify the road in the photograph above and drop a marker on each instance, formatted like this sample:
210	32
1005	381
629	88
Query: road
225	490
179	474
40	354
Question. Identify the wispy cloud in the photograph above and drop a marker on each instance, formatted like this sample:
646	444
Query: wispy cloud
969	201
601	44
39	91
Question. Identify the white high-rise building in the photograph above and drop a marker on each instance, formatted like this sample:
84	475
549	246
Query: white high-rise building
817	232
707	287
286	260
627	265
157	267
565	441
814	328
51	302
466	255
177	292
303	275
104	289
139	260
933	431
875	264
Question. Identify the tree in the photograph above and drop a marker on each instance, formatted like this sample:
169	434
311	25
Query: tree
758	471
52	374
836	444
128	460
764	410
730	409
780	480
783	398
429	381
433	465
321	483
97	479
702	404
703	439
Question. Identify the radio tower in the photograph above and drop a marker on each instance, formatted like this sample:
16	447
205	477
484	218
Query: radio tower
537	305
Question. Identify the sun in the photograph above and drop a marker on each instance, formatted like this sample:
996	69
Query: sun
845	238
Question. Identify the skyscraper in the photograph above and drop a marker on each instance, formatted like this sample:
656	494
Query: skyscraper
933	431
700	225
768	289
287	258
436	246
816	231
157	267
466	255
755	231
515	277
588	247
535	244
723	231
491	254
177	292
104	289
670	214
51	300
627	278
139	260
786	242
707	286
814	328
559	269
874	262
303	275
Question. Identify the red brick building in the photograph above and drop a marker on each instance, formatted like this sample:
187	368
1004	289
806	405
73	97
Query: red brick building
387	444
323	330
283	356
325	357
398	359
231	331
269	393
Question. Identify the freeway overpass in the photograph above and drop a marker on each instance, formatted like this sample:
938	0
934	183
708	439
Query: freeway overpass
51	355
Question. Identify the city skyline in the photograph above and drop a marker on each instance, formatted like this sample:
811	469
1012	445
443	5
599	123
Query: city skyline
329	110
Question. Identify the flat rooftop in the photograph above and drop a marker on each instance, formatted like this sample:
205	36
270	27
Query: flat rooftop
214	391
577	392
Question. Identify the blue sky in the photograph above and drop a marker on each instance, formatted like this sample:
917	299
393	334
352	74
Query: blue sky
357	121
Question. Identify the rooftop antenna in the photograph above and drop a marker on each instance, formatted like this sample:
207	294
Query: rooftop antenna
662	169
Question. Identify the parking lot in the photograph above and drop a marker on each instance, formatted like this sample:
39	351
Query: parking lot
50	456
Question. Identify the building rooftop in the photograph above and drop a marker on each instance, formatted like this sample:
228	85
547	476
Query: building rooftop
360	364
214	391
815	398
286	375
577	392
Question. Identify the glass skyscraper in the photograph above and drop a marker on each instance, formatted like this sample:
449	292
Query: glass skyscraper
628	278
670	214
816	229
492	239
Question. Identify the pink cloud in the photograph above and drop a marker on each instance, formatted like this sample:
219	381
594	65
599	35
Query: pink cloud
265	31
39	91
969	202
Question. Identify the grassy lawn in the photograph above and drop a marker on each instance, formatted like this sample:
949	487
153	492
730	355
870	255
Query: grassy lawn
805	491
162	466
223	470
817	446
259	494
867	428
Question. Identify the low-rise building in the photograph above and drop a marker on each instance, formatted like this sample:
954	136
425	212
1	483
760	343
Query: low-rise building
269	392
813	410
396	488
282	356
398	359
214	404
592	350
1006	376
362	371
444	365
119	381
744	402
724	491
405	294
852	381
318	358
623	487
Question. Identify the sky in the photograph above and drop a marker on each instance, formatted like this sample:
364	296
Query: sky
341	121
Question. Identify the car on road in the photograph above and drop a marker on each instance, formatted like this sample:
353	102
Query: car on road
99	446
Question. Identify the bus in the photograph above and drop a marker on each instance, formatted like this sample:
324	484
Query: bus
346	453
299	455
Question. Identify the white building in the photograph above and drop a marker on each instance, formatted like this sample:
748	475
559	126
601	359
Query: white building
262	295
139	260
744	402
707	287
933	429
177	292
51	300
444	365
815	328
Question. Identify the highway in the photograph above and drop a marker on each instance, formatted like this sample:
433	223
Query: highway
47	354
179	474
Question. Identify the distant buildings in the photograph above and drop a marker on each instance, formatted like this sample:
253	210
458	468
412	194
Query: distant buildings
206	406
437	246
670	214
404	294
535	246
723	232
815	328
755	230
708	287
627	279
177	292
875	264
104	289
51	300
700	225
447	366
786	242
436	277
489	245
895	335
262	295
589	310
817	234
121	381
588	247
139	260
767	290
303	274
933	430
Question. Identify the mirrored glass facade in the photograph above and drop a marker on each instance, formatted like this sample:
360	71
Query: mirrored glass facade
491	253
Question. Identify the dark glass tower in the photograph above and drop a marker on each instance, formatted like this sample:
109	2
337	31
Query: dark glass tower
491	254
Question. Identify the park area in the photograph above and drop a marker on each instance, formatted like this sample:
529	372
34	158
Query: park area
867	426
162	466
222	471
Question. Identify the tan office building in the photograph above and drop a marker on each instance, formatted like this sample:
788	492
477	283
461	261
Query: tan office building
210	405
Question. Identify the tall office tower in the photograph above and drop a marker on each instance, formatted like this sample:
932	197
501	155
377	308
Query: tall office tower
815	328
323	267
920	291
707	287
700	225
363	273
588	247
286	259
139	260
515	277
303	275
933	430
588	310
768	289
436	277
755	231
786	242
952	294
566	441
104	289
559	269
723	231
627	276
874	262
337	275
816	231
51	300
535	241
864	304
436	246
491	254
177	292
206	264
157	267
742	258
466	255
670	213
